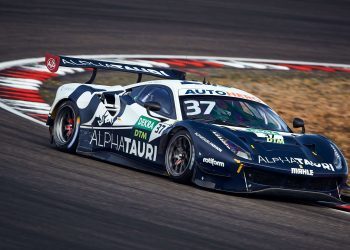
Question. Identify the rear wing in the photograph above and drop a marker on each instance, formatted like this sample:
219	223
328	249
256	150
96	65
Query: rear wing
53	62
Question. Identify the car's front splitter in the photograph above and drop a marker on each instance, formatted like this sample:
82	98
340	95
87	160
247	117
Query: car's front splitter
243	183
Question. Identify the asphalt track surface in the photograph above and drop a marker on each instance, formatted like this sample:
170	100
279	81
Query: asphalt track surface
53	200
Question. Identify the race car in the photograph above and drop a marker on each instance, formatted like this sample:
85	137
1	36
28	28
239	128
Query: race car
214	136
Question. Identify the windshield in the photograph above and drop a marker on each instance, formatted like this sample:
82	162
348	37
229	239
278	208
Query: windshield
232	112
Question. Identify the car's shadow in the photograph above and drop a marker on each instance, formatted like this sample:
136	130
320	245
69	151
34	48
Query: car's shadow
250	196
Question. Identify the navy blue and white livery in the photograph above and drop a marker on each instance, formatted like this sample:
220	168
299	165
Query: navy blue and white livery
214	136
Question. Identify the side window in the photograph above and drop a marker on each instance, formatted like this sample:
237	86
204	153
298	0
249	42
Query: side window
161	95
135	92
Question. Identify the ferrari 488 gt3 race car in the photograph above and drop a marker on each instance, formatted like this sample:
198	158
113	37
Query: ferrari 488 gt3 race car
217	137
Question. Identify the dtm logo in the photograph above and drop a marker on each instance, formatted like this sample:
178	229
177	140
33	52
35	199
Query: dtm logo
271	136
213	162
51	64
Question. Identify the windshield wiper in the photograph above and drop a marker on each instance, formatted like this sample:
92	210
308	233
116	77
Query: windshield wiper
220	122
200	119
211	121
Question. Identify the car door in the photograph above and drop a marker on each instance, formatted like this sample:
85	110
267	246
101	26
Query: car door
147	129
123	126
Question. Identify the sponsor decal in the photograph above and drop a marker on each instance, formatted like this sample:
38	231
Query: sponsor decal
220	93
204	92
261	131
294	160
143	127
213	162
141	134
222	139
112	141
146	123
302	171
207	141
271	136
108	65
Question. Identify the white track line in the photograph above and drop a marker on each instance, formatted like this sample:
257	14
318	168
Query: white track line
337	210
14	111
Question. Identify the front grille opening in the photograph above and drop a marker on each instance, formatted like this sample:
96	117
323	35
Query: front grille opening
279	180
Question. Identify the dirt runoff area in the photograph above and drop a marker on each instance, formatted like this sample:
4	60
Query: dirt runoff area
322	99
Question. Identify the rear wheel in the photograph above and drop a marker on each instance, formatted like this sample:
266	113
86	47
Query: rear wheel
66	127
179	157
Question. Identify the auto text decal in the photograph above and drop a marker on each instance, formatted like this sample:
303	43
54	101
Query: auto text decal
231	93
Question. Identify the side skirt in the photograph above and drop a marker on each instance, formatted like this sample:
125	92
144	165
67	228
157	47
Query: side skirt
124	161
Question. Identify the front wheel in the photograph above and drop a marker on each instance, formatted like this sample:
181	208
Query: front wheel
179	157
66	127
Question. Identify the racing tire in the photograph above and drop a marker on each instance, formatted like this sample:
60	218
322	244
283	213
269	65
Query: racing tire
180	157
66	127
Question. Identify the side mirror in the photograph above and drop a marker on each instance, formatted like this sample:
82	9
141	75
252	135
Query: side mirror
299	123
153	106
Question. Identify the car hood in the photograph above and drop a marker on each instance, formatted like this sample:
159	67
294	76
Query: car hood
287	152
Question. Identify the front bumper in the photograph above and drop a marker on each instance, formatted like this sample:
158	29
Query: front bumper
252	180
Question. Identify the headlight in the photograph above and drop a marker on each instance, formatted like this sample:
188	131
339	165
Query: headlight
337	159
237	150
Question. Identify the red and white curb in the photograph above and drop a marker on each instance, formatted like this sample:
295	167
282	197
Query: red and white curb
20	80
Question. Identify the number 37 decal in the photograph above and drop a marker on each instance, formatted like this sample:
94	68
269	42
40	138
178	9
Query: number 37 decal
194	107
